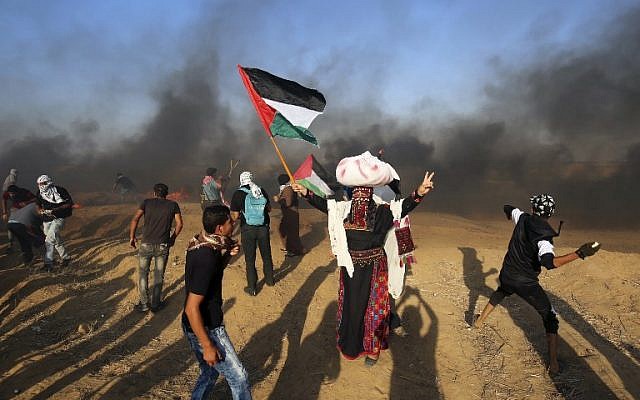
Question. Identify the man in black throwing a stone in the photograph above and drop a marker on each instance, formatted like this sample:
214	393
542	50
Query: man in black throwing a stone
531	247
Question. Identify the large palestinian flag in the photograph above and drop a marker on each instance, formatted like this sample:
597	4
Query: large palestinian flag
314	177
285	107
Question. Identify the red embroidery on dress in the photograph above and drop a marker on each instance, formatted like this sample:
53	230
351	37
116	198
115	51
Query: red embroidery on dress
376	320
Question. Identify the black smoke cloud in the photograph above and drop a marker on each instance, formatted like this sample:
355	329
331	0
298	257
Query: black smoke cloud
566	124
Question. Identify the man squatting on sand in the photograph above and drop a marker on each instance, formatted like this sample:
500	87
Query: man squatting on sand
363	239
208	254
531	247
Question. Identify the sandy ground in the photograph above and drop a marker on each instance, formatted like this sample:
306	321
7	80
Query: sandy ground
73	334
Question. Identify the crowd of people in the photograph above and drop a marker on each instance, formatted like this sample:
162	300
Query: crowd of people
369	233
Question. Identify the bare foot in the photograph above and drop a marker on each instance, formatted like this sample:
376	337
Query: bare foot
477	324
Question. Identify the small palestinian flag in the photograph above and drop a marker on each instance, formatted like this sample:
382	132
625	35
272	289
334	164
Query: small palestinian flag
314	177
285	107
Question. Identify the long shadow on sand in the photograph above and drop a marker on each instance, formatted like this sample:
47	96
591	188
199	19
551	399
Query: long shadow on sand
109	342
474	278
261	354
529	322
82	300
625	367
312	363
310	240
96	246
171	361
414	374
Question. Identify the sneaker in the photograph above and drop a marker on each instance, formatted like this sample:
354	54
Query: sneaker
250	291
47	267
142	307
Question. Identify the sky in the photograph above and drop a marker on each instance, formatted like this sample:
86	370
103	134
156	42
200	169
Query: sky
532	95
67	61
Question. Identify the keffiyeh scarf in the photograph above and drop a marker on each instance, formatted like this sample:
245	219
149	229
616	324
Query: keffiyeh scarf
214	241
49	192
246	178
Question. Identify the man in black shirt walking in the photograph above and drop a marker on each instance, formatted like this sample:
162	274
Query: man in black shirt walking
157	238
531	247
208	254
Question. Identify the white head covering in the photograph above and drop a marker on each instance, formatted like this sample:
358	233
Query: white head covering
48	191
11	179
246	178
365	170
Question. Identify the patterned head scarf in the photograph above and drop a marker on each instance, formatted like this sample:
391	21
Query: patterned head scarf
246	178
543	205
48	190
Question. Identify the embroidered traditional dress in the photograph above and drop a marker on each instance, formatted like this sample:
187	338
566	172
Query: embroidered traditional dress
363	298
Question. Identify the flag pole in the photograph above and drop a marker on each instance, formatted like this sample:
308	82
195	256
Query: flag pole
265	125
284	163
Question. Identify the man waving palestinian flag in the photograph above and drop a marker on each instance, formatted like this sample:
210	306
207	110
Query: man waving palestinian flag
285	107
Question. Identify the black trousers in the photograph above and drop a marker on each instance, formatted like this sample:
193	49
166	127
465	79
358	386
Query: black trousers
257	237
532	294
25	240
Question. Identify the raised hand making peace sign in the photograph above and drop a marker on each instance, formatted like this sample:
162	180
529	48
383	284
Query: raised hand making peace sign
427	184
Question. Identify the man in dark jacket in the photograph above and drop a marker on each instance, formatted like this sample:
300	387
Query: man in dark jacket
531	247
55	204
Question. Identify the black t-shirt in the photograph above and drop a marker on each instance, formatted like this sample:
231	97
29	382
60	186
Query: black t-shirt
58	213
521	264
203	273
158	216
237	204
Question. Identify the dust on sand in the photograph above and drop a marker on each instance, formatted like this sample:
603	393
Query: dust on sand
73	334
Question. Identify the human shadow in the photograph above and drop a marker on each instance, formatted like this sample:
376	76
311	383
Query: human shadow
90	271
414	374
474	279
171	361
311	364
50	334
91	248
310	240
625	367
591	383
263	351
108	343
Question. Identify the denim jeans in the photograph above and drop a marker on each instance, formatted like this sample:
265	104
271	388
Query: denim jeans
53	240
252	237
160	253
230	366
